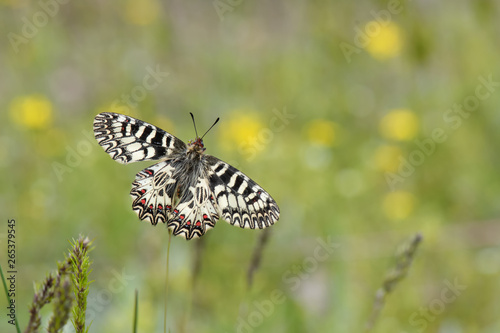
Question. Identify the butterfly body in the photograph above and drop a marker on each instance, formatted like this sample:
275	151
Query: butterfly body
196	146
188	189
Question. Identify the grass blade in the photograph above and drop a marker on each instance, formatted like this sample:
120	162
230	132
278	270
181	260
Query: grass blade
136	310
8	298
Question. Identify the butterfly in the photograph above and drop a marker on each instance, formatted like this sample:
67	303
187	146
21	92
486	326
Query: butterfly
187	189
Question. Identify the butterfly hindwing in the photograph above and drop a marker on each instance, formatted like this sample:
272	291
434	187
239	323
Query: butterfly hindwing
154	191
187	206
127	139
196	211
241	201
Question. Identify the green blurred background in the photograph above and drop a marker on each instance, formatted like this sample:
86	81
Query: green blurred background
347	113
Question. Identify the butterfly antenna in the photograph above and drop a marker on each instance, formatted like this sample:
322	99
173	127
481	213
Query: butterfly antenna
216	121
195	131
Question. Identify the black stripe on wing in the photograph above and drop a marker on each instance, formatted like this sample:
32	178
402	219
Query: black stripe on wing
128	140
241	201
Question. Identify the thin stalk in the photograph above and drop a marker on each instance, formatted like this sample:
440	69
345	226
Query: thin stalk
8	298
136	310
166	283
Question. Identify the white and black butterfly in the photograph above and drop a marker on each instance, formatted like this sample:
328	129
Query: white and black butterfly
187	189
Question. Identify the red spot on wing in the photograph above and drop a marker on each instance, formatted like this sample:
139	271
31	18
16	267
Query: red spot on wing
143	201
188	222
160	206
143	191
151	206
205	216
182	217
198	223
149	172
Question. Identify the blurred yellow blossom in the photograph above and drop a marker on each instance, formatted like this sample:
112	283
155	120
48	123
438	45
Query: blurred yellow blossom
386	158
399	124
321	132
32	111
398	205
142	12
387	43
241	130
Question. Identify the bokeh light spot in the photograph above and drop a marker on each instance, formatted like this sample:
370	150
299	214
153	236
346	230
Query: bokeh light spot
142	12
398	205
241	131
399	124
31	111
387	43
321	132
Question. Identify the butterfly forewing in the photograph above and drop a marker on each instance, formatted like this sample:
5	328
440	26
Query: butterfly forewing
187	190
128	140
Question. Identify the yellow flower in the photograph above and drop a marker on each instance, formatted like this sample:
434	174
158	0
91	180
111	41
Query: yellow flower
142	12
386	158
386	41
399	124
321	132
32	111
398	205
241	130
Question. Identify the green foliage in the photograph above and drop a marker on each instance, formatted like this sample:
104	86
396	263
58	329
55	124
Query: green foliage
80	263
70	278
4	282
62	307
352	126
404	259
136	311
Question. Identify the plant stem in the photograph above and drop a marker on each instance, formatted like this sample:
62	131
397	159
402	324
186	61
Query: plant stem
166	283
8	298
